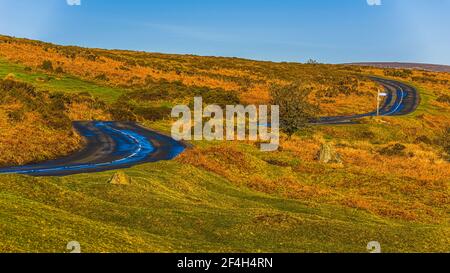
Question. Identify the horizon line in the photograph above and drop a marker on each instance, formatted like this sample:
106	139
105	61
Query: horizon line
359	62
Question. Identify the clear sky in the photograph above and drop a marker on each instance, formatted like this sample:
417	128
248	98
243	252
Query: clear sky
331	31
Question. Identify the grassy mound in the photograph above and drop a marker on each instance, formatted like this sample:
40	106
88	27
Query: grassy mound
171	207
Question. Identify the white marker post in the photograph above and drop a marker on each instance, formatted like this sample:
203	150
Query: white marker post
380	94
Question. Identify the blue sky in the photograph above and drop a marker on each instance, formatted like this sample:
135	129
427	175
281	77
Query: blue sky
331	31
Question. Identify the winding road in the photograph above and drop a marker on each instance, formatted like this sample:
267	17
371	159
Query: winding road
109	146
118	145
401	100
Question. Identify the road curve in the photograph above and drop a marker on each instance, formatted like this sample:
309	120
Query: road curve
109	146
401	99
118	145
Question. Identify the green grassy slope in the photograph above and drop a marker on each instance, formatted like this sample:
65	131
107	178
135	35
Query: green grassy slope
170	207
64	83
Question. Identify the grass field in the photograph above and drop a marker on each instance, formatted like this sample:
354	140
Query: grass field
64	83
173	208
231	197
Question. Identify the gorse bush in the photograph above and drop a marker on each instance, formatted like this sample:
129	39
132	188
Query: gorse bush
122	110
17	115
102	77
393	150
403	73
47	65
217	97
32	101
51	107
59	70
153	113
444	99
128	110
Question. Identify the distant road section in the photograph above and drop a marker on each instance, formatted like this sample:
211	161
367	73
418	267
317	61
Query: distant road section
427	67
109	146
401	99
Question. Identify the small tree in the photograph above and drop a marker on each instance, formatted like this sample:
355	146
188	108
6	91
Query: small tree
59	70
312	61
296	112
47	65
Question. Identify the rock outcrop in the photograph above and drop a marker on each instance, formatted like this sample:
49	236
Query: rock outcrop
120	178
328	155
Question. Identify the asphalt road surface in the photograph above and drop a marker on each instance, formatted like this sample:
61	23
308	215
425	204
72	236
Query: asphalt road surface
109	146
401	100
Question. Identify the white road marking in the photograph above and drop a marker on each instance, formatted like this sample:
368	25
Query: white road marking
401	101
137	151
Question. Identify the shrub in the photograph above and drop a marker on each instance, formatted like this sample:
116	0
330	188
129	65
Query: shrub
444	141
218	97
16	115
53	113
102	77
58	104
124	68
17	89
91	57
403	73
47	65
426	80
57	121
366	134
444	99
153	113
393	150
59	70
423	139
52	108
122	110
122	114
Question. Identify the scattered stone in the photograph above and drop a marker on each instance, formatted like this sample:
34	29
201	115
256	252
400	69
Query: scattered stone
120	178
328	155
10	76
